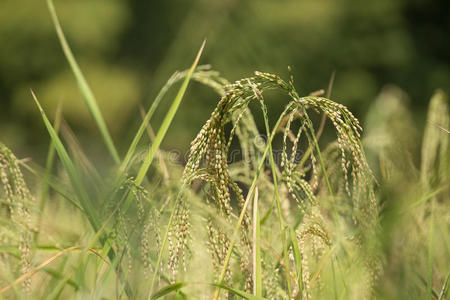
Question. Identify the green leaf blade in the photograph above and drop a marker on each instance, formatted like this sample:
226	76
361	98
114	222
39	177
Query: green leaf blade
85	90
72	172
167	120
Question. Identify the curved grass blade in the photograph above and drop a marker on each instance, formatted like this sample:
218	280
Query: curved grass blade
146	120
46	263
297	257
167	120
168	289
151	135
176	77
444	289
178	285
72	172
75	179
163	129
86	91
155	146
38	268
238	292
54	184
48	171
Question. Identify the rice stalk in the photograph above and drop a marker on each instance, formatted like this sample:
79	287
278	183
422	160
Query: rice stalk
208	153
18	205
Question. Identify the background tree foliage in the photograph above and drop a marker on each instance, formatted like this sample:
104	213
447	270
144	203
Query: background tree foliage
128	49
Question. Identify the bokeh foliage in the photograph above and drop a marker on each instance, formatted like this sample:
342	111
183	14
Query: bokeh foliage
128	50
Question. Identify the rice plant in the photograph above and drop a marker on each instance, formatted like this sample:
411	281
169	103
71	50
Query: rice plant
271	213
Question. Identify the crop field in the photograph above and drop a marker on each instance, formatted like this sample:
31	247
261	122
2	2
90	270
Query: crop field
308	203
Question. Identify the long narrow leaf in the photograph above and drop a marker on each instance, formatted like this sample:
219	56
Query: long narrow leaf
164	127
167	120
146	120
297	257
168	289
178	285
275	185
86	91
69	166
155	146
430	253
54	184
38	268
444	288
176	77
48	171
239	292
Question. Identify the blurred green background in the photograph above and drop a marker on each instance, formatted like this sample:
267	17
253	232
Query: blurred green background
128	49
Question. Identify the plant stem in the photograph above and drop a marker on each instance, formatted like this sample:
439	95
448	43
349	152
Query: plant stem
244	208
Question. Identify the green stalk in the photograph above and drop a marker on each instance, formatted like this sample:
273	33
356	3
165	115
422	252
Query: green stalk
298	258
244	208
164	127
334	279
163	245
277	197
325	175
430	255
257	277
155	146
48	170
177	76
74	176
146	121
77	185
444	288
167	120
319	155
